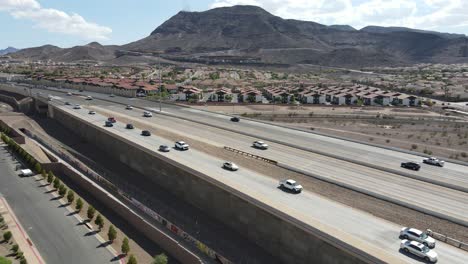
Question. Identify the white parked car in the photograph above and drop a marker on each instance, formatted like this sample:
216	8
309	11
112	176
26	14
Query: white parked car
291	185
129	107
417	235
419	250
26	173
77	106
181	145
147	114
260	145
230	166
434	161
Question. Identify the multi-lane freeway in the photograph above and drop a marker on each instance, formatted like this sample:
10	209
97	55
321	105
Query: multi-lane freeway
310	153
352	226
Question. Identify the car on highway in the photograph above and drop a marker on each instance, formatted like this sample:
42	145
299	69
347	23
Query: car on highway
147	114
80	91
235	119
290	185
111	119
411	165
112	95
77	106
67	103
260	145
91	112
164	148
181	145
129	107
145	133
417	235
109	124
228	165
129	126
419	250
89	98
69	94
434	161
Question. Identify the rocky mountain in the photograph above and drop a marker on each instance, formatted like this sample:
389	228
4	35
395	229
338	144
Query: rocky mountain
8	50
249	33
90	52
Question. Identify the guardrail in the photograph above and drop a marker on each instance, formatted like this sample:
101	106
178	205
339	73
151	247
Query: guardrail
149	212
251	155
451	241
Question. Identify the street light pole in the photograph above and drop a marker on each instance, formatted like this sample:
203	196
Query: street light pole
160	85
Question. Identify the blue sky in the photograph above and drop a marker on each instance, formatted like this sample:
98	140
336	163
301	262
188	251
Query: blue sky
65	23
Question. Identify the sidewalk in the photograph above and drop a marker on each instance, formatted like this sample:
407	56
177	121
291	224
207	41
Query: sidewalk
30	252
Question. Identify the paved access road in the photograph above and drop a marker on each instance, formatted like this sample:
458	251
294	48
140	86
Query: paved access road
56	235
352	226
429	198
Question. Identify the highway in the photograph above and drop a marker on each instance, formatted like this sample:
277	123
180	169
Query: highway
351	226
429	198
452	175
56	234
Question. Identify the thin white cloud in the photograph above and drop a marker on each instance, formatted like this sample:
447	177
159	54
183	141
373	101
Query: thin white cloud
54	20
442	15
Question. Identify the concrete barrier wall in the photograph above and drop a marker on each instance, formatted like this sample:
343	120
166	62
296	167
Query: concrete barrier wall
280	236
153	233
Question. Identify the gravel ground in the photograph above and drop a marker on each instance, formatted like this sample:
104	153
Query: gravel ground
386	210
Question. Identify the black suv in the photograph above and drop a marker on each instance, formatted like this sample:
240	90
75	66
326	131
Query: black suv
235	119
129	126
411	165
145	133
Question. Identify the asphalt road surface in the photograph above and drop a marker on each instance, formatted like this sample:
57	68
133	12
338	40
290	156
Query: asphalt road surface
430	198
57	236
352	226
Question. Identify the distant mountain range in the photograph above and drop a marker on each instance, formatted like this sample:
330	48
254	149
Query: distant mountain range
251	32
8	50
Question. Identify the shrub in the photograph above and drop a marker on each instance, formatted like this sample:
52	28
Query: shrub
414	146
15	248
44	174
388	140
79	205
112	233
125	246
132	260
38	167
23	261
99	222
90	213
160	259
56	183
70	196
62	190
4	260
463	154
7	236
20	254
50	177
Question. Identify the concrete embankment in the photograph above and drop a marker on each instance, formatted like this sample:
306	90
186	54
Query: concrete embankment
278	233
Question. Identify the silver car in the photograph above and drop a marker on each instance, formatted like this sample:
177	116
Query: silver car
419	250
417	235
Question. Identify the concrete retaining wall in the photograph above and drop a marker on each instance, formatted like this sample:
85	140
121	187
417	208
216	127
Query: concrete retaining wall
276	232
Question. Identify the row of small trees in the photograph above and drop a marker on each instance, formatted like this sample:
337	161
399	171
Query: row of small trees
7	236
30	160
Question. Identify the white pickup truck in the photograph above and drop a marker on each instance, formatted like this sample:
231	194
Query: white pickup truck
434	161
291	185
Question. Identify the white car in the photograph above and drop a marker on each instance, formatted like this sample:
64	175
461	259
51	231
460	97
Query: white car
260	145
89	98
417	235
129	107
112	95
291	185
419	250
147	114
230	166
434	161
181	145
91	112
69	94
26	173
77	106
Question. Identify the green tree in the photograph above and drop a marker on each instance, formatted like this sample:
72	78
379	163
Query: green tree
38	167
44	174
62	190
90	213
7	236
99	222
160	259
112	233
23	261
70	196
79	205
125	246
56	183
50	177
132	260
15	248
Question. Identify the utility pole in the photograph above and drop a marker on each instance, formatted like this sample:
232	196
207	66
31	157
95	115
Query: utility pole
160	84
